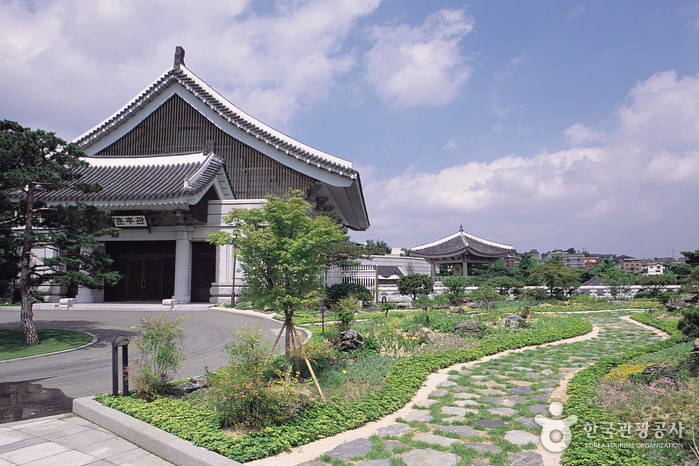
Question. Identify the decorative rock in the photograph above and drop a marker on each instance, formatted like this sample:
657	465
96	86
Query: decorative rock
420	457
348	450
390	445
426	403
460	388
435	439
532	375
539	409
313	463
393	430
520	437
351	340
655	368
423	416
547	390
512	321
541	397
464	431
483	447
522	368
453	410
439	393
695	346
192	385
503	411
526	458
467	327
447	383
490	423
547	372
466	396
479	377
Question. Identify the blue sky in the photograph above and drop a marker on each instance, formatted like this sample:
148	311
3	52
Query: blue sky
540	124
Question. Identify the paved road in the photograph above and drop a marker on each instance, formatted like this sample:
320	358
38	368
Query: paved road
46	385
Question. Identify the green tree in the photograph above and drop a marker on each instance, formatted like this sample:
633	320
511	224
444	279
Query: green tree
691	258
526	263
690	284
655	284
32	162
505	285
679	270
281	252
456	284
415	284
618	281
377	247
555	277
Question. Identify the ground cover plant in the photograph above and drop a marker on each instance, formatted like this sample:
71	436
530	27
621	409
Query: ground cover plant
382	383
613	390
13	344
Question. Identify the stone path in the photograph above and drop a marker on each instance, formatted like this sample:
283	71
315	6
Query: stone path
484	415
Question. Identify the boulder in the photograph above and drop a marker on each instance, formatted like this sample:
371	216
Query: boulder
512	321
467	327
656	368
477	305
695	346
192	385
351	340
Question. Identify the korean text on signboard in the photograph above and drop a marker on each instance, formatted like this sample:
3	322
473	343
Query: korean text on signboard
130	221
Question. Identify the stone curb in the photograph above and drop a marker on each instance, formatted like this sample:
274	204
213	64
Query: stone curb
95	339
165	445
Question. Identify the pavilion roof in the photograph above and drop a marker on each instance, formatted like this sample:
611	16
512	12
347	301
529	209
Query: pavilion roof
461	243
163	180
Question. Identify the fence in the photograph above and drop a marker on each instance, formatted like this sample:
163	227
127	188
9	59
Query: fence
366	275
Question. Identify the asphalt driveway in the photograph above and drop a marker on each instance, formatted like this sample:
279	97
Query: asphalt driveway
46	385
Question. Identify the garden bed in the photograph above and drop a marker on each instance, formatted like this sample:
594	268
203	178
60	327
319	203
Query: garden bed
203	427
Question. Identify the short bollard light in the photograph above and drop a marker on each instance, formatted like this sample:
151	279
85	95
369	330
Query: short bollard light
123	342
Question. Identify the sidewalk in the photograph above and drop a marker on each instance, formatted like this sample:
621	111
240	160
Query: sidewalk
68	440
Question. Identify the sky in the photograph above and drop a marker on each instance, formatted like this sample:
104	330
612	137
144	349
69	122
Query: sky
540	124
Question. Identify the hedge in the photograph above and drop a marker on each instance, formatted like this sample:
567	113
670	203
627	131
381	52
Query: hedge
323	419
581	388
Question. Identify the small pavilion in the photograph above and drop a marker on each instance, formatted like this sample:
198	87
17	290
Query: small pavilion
459	251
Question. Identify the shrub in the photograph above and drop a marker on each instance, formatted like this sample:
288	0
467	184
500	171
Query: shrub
415	284
643	295
344	310
689	325
443	299
243	392
336	292
667	296
456	284
160	342
385	307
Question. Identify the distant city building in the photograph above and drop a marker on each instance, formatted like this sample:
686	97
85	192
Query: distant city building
573	260
632	265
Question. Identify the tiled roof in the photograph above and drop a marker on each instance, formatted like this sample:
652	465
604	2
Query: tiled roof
459	243
227	110
152	180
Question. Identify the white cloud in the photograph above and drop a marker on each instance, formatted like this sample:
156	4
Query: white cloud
85	59
636	184
421	65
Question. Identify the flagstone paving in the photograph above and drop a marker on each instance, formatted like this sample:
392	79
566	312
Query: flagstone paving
484	415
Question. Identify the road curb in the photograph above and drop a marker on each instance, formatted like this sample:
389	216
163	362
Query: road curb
165	445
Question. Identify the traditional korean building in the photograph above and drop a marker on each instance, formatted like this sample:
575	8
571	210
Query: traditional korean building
173	162
459	251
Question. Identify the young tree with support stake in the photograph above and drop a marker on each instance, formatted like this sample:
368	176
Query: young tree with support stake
35	162
281	249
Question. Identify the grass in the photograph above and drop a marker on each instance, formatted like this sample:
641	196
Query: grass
12	343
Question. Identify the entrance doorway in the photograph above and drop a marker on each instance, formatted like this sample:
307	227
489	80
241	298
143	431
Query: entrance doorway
147	269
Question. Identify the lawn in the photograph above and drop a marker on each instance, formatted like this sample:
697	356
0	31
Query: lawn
12	344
